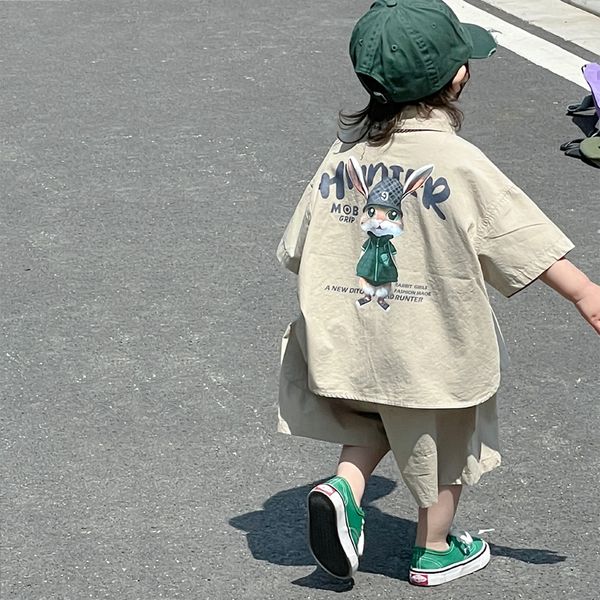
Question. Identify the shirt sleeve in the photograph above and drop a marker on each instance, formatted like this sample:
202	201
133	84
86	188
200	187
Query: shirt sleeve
289	251
518	242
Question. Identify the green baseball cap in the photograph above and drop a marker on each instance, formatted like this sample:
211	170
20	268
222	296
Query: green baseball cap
413	48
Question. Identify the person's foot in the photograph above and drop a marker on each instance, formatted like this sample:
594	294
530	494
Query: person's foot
465	555
383	304
362	301
335	527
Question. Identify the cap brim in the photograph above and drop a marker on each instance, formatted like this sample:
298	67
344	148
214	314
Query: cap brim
484	45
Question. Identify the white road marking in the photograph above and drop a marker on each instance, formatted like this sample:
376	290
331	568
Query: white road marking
534	49
563	20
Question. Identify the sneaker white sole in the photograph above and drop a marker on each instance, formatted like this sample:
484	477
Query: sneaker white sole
329	536
429	578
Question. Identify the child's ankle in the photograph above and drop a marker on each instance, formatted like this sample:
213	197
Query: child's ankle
437	546
356	485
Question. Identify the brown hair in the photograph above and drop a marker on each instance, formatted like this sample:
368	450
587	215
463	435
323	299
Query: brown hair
379	121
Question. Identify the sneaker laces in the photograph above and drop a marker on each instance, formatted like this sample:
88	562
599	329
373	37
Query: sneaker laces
465	539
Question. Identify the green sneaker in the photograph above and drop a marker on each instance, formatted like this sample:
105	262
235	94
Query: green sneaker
335	527
465	555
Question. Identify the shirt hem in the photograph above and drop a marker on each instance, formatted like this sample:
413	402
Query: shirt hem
556	252
408	403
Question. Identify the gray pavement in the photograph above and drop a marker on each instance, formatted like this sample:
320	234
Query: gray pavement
152	153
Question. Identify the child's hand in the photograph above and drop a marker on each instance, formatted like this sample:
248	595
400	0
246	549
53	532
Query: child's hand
589	305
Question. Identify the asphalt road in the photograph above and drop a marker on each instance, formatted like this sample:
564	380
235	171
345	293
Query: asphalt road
152	153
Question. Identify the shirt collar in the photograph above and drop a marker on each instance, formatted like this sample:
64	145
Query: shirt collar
438	120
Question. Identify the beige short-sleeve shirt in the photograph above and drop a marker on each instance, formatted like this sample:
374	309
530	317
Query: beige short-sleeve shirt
436	346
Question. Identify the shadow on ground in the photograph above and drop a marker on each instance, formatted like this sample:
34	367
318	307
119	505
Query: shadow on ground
277	534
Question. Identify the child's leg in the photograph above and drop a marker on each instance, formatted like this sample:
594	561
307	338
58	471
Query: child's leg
434	560
435	522
356	465
335	519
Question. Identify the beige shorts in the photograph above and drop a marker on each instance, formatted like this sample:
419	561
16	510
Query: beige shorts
431	446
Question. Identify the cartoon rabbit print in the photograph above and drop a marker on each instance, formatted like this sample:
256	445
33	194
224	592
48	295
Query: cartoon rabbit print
382	220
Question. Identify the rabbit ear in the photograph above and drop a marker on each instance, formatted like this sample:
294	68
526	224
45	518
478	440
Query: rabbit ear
417	179
356	176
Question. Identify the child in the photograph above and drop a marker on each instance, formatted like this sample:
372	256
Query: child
393	240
